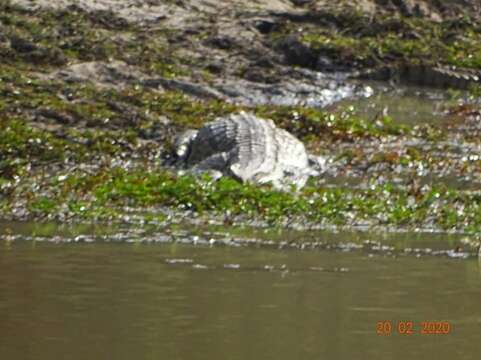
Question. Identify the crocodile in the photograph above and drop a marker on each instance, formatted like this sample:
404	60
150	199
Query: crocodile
425	75
249	149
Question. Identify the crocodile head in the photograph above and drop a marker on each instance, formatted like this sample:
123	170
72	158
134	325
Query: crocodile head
183	145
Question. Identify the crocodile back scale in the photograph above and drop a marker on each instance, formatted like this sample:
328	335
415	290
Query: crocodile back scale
247	148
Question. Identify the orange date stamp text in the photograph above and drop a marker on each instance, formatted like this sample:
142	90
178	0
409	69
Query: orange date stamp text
387	327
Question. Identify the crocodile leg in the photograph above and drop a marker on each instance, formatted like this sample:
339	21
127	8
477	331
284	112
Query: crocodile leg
213	165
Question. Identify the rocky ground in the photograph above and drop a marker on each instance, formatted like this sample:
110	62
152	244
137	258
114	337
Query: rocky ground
92	94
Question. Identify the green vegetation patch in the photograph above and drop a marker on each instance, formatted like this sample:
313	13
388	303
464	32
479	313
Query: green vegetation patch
22	145
105	193
84	114
313	125
42	39
354	39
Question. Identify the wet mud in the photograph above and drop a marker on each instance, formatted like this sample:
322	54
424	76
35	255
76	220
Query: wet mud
92	95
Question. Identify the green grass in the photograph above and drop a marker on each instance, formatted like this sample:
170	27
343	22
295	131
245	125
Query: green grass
356	39
104	194
43	39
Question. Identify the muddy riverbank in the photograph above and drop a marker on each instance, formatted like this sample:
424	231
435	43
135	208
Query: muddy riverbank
92	95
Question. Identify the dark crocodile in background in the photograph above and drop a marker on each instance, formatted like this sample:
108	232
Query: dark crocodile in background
425	75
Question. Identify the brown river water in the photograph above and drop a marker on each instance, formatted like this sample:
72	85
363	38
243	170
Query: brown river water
119	297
